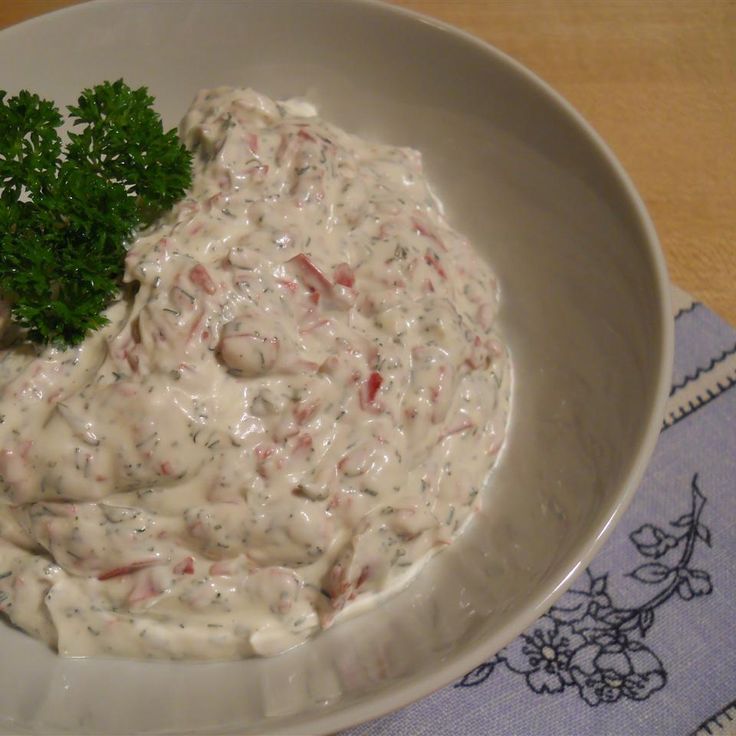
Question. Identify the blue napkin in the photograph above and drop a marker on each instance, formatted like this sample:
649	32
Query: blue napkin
644	642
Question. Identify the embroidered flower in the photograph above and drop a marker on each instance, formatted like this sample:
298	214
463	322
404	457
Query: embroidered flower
585	640
606	672
693	583
543	654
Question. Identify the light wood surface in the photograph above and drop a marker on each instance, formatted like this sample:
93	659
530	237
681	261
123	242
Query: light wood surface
656	78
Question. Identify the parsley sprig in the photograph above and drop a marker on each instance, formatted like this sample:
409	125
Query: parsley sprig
66	215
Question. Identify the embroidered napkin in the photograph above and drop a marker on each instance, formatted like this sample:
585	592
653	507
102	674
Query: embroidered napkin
645	641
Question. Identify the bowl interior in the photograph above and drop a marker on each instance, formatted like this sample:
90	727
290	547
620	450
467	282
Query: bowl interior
584	314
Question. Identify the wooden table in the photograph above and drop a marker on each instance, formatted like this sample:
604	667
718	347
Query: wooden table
656	78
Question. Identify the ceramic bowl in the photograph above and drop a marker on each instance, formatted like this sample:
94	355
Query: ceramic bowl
584	311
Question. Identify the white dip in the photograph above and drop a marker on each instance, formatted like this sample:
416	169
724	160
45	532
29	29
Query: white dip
298	406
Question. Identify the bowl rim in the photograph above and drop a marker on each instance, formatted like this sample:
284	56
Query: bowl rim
405	693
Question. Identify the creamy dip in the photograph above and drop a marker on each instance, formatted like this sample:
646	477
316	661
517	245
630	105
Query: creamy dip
296	402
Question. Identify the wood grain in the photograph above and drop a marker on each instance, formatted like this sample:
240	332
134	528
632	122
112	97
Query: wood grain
657	79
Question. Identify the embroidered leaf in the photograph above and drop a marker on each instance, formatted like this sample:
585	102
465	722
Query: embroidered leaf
703	533
646	619
651	573
572	607
477	676
599	585
618	616
684	521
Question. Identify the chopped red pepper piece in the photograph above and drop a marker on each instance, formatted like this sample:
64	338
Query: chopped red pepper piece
344	275
116	572
431	259
200	276
374	383
425	232
185	567
306	136
311	275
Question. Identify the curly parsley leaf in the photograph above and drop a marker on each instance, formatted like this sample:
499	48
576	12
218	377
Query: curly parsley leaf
65	219
29	145
123	140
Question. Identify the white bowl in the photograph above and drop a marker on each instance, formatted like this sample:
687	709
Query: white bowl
584	292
